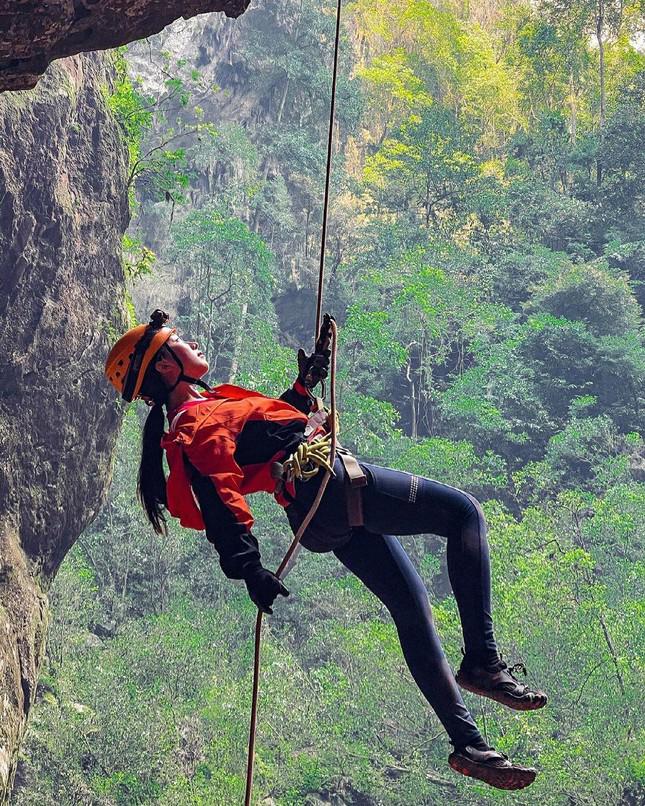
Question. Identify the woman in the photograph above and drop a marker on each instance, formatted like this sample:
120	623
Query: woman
227	442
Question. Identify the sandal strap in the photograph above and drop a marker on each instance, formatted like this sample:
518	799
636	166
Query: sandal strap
491	756
502	677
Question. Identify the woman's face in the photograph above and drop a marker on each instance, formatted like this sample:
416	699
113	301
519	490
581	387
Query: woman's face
188	352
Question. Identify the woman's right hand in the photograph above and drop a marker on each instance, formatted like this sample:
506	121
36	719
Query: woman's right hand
263	587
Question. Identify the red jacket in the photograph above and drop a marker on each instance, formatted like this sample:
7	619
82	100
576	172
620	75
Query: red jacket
232	437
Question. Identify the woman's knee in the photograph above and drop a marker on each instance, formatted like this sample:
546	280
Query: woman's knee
478	508
469	524
472	511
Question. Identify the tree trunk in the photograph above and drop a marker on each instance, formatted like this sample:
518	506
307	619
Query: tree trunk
414	407
573	102
600	21
415	414
268	161
283	101
238	344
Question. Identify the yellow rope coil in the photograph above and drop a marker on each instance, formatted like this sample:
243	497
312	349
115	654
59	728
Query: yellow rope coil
308	459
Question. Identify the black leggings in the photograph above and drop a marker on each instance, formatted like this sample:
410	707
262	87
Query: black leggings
398	503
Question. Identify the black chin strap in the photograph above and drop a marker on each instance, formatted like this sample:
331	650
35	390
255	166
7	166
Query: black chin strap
183	377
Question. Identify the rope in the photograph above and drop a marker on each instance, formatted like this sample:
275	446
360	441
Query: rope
308	458
321	270
289	557
282	571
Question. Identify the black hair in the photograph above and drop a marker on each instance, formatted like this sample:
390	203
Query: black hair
151	483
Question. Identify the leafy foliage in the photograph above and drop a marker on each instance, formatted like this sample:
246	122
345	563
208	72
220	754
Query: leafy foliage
484	262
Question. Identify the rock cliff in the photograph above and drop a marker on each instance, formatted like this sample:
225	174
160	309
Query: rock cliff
34	33
63	209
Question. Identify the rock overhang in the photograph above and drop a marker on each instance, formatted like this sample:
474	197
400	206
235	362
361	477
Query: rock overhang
35	32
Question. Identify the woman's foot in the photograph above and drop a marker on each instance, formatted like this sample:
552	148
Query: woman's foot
491	767
498	682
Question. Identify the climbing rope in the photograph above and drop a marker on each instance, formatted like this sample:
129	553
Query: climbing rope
289	557
330	139
285	567
307	460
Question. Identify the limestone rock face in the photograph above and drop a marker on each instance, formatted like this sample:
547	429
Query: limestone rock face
63	209
35	32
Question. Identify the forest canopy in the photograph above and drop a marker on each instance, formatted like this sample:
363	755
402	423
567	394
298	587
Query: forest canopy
485	266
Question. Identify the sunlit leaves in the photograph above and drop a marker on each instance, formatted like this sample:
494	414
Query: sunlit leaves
138	260
485	342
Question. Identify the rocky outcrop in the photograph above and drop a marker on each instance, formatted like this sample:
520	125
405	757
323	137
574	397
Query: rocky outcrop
35	32
63	208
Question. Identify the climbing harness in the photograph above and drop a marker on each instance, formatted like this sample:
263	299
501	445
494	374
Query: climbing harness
312	456
289	557
355	479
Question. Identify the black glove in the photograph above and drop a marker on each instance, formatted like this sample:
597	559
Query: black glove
312	368
263	587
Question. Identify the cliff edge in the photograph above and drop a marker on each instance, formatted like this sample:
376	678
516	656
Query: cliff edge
63	209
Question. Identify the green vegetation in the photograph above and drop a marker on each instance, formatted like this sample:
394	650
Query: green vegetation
485	263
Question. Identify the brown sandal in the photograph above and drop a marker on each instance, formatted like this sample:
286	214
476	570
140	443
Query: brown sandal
499	683
491	767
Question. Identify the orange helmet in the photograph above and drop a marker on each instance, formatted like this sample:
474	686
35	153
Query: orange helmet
130	357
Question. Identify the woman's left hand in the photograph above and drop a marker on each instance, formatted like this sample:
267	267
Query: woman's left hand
263	587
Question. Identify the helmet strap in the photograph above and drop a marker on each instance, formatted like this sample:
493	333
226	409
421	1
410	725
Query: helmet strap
182	376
